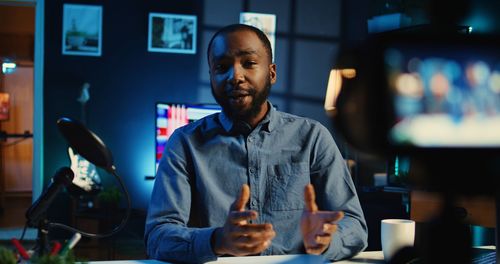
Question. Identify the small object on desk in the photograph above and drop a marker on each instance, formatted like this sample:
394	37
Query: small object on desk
396	234
70	244
20	249
380	179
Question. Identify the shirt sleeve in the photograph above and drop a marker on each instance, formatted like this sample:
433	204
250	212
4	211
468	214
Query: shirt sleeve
167	235
335	191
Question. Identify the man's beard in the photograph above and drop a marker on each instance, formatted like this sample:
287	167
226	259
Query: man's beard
258	99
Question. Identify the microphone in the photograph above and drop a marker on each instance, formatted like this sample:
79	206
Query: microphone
63	177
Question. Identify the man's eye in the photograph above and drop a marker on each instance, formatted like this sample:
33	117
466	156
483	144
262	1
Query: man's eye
220	68
249	64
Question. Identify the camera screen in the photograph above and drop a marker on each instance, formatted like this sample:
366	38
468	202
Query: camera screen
444	95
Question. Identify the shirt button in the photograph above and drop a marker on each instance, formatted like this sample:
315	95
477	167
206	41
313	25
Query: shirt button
252	170
254	203
250	139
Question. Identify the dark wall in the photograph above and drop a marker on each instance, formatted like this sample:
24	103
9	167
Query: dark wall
125	82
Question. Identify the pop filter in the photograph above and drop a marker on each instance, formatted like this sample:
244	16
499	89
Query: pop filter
86	143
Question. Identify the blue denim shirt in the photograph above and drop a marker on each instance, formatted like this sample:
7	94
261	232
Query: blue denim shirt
205	164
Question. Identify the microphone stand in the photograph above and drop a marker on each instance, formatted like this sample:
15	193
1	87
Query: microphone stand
42	242
36	215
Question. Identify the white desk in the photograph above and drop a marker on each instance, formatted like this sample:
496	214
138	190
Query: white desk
366	257
363	257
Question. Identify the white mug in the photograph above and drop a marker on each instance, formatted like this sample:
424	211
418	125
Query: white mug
396	234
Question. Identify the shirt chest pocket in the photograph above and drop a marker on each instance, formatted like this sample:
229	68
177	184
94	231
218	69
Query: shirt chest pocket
287	182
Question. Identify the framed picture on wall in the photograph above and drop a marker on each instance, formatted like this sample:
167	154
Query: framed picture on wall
264	22
82	30
172	33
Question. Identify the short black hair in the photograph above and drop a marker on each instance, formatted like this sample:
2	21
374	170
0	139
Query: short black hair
242	27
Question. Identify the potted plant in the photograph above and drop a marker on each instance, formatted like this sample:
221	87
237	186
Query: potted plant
110	197
56	259
7	256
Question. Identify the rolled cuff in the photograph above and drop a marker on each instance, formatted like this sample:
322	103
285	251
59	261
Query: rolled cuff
202	246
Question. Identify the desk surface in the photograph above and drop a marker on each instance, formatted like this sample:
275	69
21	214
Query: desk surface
363	257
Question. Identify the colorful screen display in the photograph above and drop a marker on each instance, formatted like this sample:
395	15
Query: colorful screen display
170	116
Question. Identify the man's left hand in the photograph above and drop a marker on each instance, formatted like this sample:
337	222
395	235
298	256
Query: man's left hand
317	227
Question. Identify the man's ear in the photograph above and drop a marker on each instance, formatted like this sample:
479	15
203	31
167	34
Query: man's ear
272	73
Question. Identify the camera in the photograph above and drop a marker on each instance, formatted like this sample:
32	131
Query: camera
433	96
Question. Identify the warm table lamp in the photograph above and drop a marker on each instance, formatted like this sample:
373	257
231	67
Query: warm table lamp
335	85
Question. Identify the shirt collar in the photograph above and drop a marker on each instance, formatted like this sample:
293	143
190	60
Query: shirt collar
267	124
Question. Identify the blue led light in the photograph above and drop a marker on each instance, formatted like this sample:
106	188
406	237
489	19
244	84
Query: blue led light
8	67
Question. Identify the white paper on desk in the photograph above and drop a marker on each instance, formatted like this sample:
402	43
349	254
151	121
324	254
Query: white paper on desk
278	259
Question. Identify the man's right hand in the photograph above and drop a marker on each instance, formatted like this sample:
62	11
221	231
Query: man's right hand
238	237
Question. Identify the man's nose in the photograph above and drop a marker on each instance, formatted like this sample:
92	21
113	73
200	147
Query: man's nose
236	75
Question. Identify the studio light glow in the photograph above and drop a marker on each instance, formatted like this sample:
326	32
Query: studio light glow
8	67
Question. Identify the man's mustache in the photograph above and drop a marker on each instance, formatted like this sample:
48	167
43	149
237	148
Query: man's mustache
234	93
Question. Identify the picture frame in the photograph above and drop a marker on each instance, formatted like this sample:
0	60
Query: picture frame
82	30
264	22
172	33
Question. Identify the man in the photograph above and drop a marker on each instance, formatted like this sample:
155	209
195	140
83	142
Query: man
246	181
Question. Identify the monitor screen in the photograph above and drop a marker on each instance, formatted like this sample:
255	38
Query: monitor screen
444	95
170	116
